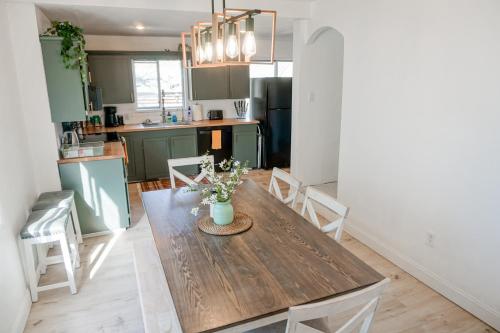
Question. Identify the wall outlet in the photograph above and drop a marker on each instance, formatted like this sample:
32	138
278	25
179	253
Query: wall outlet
430	238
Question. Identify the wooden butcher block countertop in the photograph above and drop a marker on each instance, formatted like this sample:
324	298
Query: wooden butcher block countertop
112	150
193	124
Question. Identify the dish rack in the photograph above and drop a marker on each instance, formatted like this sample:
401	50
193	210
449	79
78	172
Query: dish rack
83	150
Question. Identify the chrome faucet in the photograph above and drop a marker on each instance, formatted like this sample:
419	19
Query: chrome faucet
163	111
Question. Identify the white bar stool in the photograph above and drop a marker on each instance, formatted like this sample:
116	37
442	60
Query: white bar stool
61	199
47	226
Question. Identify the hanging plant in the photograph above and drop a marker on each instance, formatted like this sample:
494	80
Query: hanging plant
72	45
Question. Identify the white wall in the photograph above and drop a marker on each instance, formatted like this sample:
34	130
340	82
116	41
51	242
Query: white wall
316	157
34	102
420	141
17	191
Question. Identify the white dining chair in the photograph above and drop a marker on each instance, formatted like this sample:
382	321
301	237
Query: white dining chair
177	162
290	180
366	298
314	195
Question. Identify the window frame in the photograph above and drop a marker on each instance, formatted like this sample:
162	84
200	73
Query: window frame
157	61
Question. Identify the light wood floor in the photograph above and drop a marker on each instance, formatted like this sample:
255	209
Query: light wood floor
108	301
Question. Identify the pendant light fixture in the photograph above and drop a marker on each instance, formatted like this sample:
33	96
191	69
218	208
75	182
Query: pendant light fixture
229	38
249	47
232	47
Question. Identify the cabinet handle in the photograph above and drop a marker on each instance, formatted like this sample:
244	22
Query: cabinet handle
90	77
132	97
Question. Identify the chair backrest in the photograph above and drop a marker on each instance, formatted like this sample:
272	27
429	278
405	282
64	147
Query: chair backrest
177	162
314	195
367	298
290	180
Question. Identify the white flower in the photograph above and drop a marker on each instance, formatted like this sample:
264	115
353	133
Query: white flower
236	163
195	210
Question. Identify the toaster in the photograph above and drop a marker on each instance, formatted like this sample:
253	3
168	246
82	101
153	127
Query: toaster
215	114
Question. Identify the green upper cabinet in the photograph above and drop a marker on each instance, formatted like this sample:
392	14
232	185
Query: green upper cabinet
113	74
245	144
239	82
228	82
209	83
64	85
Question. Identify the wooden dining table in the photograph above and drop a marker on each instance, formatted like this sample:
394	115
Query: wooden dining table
234	283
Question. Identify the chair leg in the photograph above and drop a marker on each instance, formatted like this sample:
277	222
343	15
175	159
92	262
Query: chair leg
67	263
30	266
76	222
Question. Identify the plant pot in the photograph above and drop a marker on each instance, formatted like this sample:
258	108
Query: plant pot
223	213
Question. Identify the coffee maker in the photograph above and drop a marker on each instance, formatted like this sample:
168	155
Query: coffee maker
110	118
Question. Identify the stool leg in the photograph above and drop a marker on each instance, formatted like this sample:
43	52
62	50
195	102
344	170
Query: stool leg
76	222
41	251
67	263
30	266
74	245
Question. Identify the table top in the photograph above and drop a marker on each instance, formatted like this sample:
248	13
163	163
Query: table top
220	281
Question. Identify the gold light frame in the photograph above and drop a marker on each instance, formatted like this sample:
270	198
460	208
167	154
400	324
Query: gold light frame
220	20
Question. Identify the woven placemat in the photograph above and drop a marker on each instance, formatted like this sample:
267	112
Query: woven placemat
242	222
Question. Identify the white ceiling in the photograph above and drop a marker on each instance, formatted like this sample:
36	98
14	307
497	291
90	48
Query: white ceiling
122	21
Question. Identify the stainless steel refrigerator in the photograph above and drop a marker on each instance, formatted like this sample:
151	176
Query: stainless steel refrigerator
271	104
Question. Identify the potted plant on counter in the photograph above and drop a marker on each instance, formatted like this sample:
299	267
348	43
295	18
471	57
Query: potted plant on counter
219	192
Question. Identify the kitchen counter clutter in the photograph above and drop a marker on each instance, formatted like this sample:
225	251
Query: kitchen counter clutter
193	124
112	150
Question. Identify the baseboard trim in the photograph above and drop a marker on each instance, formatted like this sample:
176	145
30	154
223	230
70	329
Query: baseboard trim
103	233
466	301
22	313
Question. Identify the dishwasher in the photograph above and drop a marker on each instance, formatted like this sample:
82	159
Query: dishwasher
206	145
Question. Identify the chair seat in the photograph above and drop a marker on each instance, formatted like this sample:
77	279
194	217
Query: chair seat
54	199
45	222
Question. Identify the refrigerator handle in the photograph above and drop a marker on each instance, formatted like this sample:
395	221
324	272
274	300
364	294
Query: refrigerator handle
259	148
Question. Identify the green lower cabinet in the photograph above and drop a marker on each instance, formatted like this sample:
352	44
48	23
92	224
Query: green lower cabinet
184	146
245	144
148	152
156	154
101	193
135	153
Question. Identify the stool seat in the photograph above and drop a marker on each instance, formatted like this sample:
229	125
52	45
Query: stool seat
54	199
45	222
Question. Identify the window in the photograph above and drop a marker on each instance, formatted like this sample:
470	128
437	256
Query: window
154	76
278	69
261	70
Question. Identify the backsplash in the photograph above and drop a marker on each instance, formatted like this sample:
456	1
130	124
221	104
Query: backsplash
132	116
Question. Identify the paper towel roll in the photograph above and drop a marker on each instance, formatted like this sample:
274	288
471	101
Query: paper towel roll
197	112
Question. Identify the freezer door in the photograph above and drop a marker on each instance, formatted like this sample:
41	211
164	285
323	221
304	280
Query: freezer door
279	93
277	139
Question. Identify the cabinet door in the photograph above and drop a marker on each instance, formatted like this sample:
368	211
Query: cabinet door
184	146
239	82
113	74
245	145
135	153
209	83
105	207
155	157
64	85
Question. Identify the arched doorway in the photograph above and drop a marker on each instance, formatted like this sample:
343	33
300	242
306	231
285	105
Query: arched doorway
320	106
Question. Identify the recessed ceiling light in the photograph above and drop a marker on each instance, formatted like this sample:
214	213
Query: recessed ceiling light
139	27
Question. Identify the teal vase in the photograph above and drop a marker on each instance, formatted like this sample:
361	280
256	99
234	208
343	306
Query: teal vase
223	213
